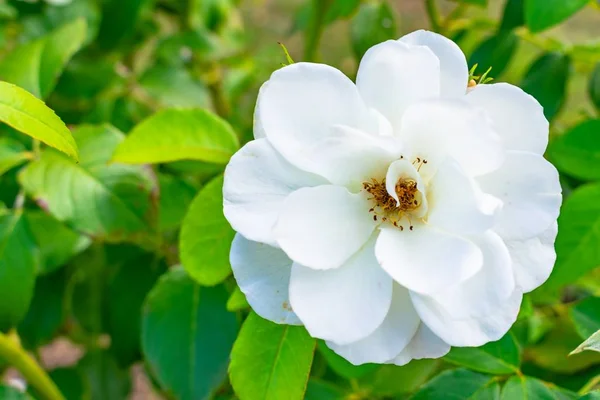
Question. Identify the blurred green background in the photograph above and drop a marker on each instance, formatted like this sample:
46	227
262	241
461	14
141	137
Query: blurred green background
102	263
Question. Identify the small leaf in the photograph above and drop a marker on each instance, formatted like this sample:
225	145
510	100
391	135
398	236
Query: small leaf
373	24
187	335
498	358
206	236
25	113
104	201
18	260
12	154
459	384
592	343
586	316
271	361
495	52
175	87
577	244
237	301
577	152
594	87
524	387
546	80
193	134
542	14
37	65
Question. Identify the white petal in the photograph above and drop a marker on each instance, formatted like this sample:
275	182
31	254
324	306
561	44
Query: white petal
467	332
302	102
488	289
345	304
394	333
263	275
257	127
348	157
424	344
257	180
402	169
426	259
528	186
436	129
393	75
453	64
322	227
517	116
533	259
457	204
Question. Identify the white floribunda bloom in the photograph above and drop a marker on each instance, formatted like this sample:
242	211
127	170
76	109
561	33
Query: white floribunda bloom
397	216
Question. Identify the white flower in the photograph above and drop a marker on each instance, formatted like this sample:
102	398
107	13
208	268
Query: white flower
396	217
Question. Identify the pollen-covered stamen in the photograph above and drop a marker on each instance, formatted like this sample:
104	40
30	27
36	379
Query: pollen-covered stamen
407	190
380	196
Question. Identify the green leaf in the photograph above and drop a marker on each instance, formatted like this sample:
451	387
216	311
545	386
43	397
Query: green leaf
176	195
524	387
459	384
11	393
343	367
126	293
56	242
237	301
495	52
586	316
498	358
318	390
103	377
187	335
108	201
542	14
206	236
577	152
175	87
546	80
271	361
595	395
393	380
12	154
592	343
194	134
45	314
578	241
25	113
18	260
37	65
594	86
69	382
118	19
373	24
513	16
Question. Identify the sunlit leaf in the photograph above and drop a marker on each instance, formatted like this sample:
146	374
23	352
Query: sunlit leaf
271	361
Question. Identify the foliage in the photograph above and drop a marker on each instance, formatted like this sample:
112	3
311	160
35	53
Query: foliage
118	118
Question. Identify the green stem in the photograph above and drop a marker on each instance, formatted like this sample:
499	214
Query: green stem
315	28
13	353
433	13
588	387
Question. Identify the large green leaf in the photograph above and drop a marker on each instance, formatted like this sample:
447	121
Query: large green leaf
18	260
12	153
546	80
577	152
594	86
542	14
586	316
393	380
500	357
37	65
271	361
56	242
126	293
578	241
459	384
374	23
524	387
26	113
187	335
206	236
108	201
179	134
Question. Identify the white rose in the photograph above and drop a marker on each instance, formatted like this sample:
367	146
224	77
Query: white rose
396	217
